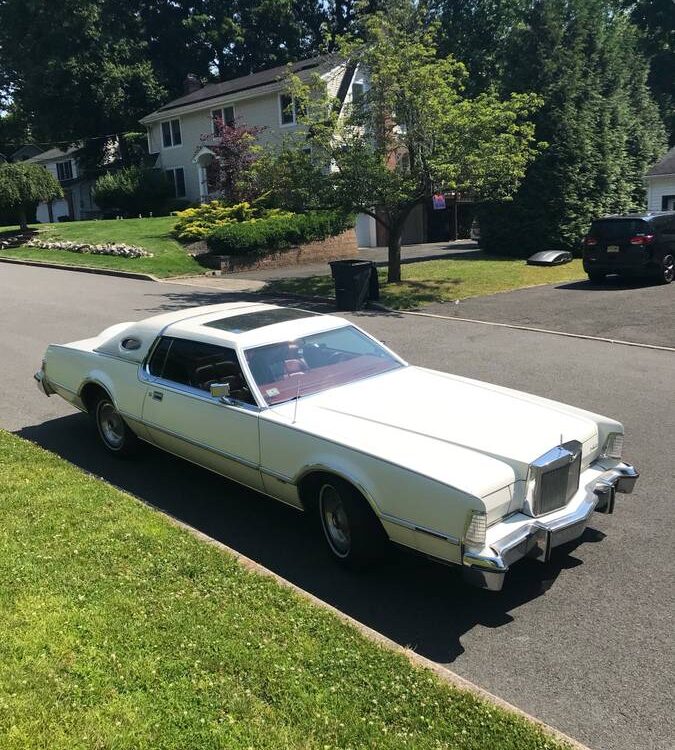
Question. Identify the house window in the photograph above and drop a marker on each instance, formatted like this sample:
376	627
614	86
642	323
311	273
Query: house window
224	115
358	89
171	135
64	170
667	202
287	109
177	179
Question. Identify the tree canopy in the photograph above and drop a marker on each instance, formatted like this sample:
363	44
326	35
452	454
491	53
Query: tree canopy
24	185
411	132
599	119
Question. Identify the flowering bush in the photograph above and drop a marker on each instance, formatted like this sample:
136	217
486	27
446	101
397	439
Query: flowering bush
109	248
198	223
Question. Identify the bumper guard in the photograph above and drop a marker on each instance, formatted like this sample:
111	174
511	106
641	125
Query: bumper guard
538	538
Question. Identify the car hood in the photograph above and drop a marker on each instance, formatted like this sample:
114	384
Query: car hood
468	434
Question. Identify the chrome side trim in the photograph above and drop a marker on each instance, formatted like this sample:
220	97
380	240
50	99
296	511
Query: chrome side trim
277	475
196	444
422	529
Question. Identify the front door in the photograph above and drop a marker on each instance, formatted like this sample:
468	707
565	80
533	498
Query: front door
183	418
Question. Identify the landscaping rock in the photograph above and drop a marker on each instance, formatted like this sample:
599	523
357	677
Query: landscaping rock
119	250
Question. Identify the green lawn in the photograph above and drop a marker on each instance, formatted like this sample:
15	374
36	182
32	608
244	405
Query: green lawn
445	280
169	259
120	630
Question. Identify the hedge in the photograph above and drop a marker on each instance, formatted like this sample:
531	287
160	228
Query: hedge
262	236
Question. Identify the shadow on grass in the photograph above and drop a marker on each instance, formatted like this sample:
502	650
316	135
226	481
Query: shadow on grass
409	599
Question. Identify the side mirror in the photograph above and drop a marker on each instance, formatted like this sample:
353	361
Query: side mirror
220	390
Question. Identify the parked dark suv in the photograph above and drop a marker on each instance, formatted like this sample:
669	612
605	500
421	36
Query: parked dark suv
631	245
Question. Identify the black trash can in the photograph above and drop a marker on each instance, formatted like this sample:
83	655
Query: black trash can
355	283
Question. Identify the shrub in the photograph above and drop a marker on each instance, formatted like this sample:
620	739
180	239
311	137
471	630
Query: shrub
278	231
197	223
132	191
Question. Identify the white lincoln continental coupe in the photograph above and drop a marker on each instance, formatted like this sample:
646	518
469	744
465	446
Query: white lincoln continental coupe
313	411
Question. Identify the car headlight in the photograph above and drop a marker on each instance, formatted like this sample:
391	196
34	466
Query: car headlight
475	531
613	445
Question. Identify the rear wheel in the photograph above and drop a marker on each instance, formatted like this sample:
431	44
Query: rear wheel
113	431
353	533
667	271
595	277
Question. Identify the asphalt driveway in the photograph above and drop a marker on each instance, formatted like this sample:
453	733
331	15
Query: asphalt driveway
627	311
584	642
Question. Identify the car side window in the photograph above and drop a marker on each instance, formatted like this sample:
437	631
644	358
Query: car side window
158	358
199	365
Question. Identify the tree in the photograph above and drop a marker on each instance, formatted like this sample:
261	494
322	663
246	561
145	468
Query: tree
132	191
598	117
656	20
412	133
77	69
232	172
24	185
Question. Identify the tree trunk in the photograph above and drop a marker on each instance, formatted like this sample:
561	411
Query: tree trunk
394	270
23	221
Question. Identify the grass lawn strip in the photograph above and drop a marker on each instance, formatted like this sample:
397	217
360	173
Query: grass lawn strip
122	630
444	280
169	256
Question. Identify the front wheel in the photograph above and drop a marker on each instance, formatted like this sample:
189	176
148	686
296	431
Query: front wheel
113	430
353	533
667	271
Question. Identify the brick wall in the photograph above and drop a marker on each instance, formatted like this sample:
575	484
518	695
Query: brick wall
333	248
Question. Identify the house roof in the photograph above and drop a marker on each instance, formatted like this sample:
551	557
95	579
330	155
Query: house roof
54	154
666	165
303	68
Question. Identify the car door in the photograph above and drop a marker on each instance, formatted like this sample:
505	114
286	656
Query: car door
183	418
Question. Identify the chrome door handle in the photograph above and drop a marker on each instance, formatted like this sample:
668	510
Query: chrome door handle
156	395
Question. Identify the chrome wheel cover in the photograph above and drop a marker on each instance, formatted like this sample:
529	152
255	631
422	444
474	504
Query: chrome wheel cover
668	268
110	425
334	520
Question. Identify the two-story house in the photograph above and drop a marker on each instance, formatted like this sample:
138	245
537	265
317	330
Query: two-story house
77	202
178	132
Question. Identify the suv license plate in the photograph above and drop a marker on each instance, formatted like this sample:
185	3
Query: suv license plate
612	248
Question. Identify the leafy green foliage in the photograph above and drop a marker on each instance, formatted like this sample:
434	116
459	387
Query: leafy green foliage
276	232
199	222
413	132
22	186
598	117
132	191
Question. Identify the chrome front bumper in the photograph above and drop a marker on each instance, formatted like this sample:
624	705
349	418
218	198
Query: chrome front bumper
523	536
43	383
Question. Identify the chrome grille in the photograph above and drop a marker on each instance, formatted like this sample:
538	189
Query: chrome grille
556	475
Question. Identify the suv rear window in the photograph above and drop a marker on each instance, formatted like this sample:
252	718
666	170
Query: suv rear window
615	229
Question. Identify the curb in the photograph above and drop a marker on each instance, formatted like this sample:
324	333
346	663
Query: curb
413	657
381	308
81	269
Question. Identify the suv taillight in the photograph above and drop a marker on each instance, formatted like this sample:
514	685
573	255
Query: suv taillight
590	241
642	239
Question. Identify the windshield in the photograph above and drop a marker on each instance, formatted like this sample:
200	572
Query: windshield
317	362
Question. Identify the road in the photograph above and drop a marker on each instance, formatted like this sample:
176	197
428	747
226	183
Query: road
619	309
585	642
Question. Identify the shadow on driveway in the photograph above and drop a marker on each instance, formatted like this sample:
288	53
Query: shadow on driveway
411	600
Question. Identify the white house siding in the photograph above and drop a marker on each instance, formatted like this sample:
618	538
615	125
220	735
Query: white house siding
253	108
659	186
260	111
